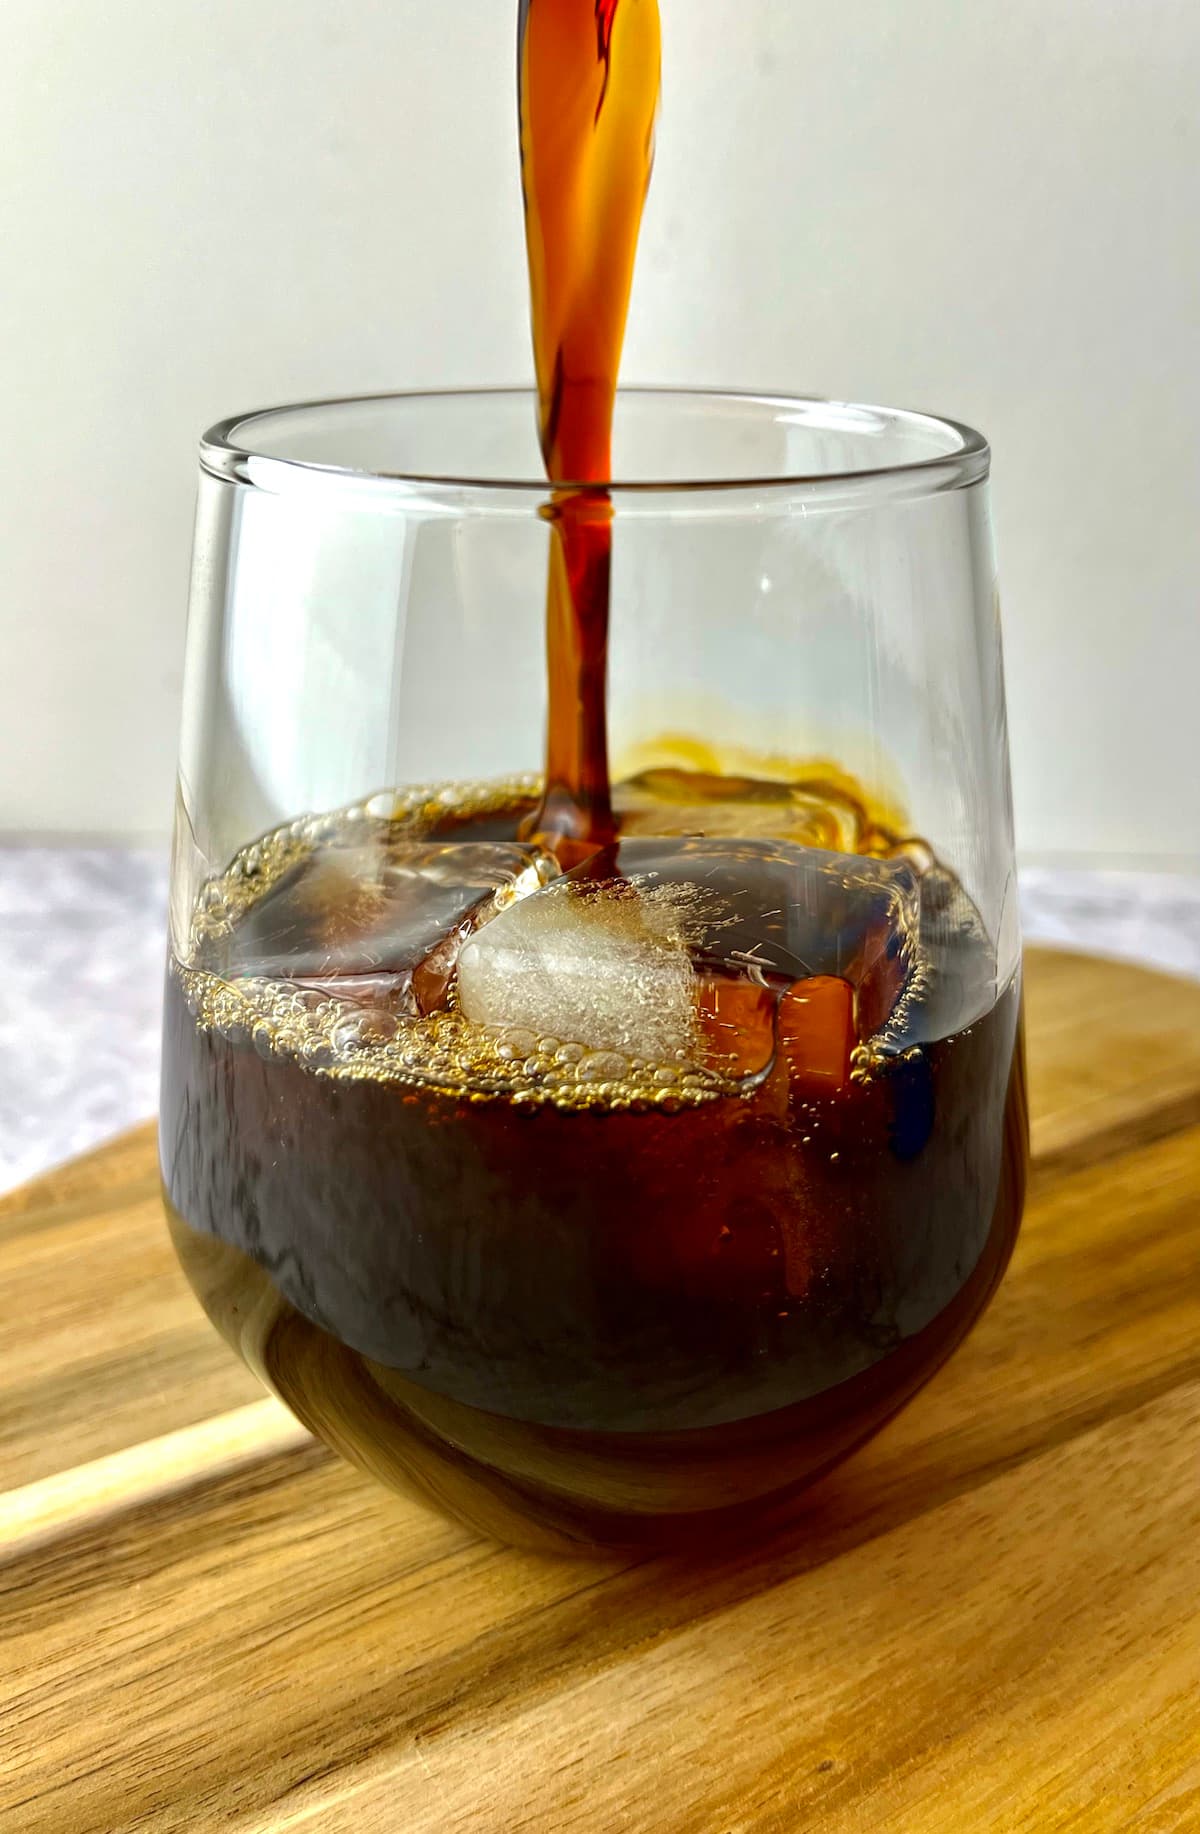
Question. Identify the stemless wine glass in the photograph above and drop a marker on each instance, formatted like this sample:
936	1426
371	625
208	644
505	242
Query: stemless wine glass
611	1204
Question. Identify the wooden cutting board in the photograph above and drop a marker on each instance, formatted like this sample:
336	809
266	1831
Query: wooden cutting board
990	1620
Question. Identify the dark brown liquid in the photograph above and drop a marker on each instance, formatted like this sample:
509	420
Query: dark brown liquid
588	94
621	1323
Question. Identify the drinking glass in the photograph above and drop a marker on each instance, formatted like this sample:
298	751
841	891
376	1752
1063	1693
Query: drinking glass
616	1206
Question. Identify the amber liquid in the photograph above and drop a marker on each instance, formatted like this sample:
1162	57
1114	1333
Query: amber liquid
588	93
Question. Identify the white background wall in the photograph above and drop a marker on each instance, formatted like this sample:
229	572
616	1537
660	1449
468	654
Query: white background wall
989	211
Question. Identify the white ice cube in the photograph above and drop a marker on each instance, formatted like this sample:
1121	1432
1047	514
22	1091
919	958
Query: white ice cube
604	966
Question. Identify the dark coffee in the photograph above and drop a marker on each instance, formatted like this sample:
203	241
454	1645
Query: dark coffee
696	1198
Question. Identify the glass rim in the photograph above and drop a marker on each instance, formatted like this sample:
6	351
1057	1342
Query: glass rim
227	454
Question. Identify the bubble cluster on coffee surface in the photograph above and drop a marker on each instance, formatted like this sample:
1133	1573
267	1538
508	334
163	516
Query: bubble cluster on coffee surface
611	1054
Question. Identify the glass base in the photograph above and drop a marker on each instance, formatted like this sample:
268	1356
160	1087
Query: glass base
567	1489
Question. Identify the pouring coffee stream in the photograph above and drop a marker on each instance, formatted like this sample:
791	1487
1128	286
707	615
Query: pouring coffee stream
588	87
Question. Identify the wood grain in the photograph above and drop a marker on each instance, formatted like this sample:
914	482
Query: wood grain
989	1620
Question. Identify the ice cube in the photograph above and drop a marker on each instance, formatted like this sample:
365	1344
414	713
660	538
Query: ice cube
788	913
828	936
737	1022
381	924
816	1031
588	962
696	951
